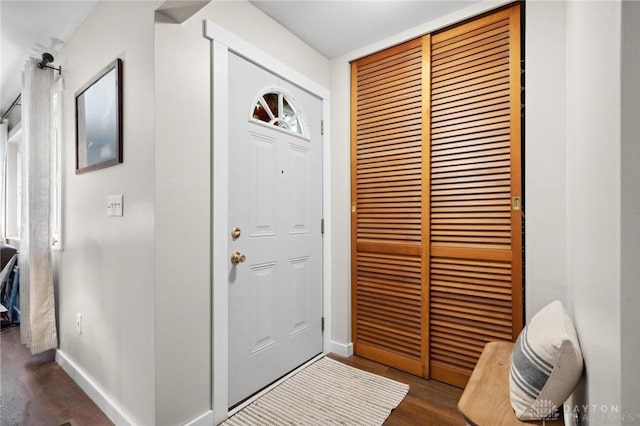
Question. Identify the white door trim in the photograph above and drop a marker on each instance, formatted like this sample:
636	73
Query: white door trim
224	41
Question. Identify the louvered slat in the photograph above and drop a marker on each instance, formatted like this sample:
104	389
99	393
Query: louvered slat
474	171
392	118
387	271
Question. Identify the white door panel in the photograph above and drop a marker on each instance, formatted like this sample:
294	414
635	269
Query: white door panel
275	198
264	186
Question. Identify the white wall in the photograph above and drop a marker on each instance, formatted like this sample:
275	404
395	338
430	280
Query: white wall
182	207
545	155
106	271
341	201
630	205
593	195
183	193
583	126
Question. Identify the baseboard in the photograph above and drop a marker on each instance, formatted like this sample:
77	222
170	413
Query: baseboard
342	349
110	408
206	419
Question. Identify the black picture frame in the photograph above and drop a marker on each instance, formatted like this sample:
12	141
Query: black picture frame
98	107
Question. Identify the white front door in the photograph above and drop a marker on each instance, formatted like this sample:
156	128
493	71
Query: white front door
275	202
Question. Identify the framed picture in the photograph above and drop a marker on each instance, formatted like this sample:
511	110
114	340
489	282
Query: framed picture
99	120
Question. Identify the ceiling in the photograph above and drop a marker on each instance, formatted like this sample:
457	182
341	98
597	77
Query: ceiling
29	28
335	27
332	27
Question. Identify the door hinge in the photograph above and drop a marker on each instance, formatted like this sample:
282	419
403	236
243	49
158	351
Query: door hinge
322	226
322	127
322	324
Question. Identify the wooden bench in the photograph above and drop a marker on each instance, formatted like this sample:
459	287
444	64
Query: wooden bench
485	400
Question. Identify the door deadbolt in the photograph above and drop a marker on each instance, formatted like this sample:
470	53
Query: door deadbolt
237	257
236	232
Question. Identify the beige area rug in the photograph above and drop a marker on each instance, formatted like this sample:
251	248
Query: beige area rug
327	392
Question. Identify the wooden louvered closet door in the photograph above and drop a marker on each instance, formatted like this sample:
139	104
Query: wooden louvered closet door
476	241
436	243
388	295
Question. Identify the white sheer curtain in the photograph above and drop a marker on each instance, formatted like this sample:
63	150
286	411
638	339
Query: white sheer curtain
4	136
38	324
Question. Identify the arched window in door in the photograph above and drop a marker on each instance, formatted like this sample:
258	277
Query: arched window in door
278	109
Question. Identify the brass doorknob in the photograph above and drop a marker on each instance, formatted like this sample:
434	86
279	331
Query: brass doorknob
237	257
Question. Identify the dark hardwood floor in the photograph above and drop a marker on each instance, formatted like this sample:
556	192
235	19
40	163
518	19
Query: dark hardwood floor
34	390
427	403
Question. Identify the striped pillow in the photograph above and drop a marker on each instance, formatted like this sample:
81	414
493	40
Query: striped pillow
546	364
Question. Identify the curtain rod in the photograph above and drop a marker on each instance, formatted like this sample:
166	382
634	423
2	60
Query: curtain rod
47	58
13	105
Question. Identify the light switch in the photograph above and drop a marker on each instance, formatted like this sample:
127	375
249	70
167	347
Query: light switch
114	205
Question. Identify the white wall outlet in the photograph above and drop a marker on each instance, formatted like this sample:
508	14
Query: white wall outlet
79	323
114	205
